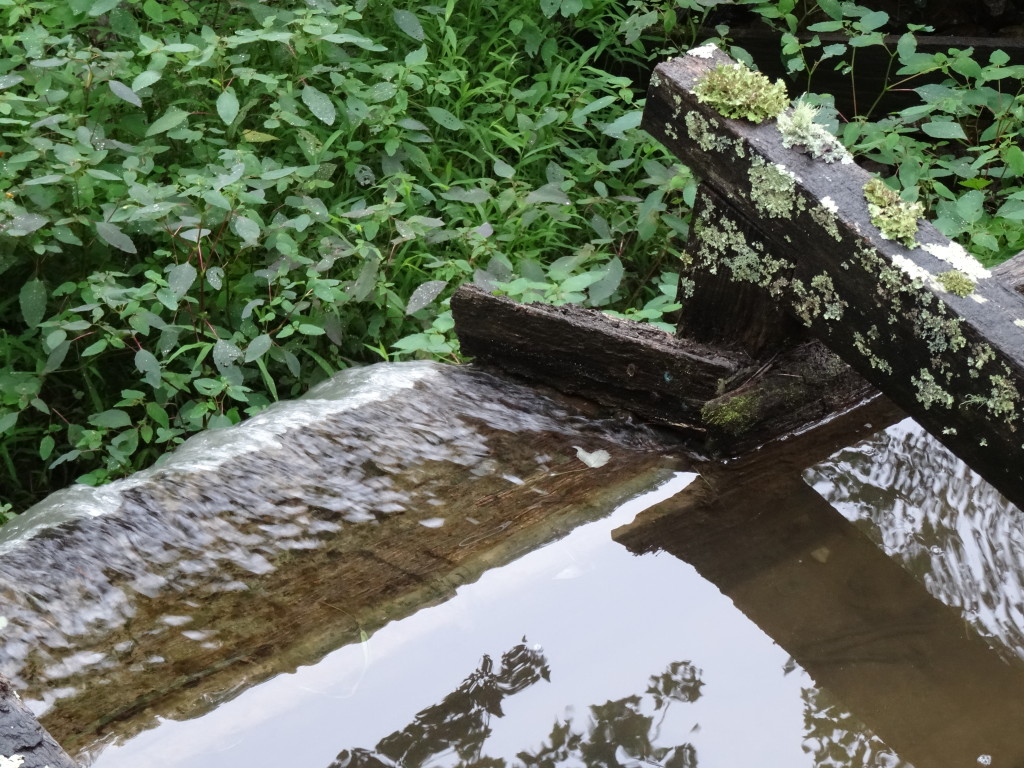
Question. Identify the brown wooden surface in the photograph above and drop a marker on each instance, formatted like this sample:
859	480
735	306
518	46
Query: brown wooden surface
22	736
584	352
906	665
892	330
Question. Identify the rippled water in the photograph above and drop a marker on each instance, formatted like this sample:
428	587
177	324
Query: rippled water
420	565
943	523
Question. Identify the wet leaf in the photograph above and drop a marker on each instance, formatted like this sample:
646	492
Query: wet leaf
246	228
445	118
32	299
320	104
180	278
172	118
112	419
424	294
227	106
408	23
25	224
257	348
111	234
122	91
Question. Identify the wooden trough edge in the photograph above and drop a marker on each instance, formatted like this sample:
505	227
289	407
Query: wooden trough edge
724	401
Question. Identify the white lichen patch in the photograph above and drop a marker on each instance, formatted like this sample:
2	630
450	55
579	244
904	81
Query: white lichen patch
978	298
705	51
773	189
1019	322
799	130
14	761
829	204
913	270
954	255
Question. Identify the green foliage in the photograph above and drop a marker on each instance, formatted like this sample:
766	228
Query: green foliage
896	219
204	208
951	143
737	91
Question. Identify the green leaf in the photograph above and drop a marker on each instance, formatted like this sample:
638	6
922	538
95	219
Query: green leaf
503	169
944	129
147	363
246	228
257	348
549	193
417	57
50	178
320	104
1013	156
99	7
32	299
111	234
408	23
112	419
309	329
122	91
180	278
256	137
158	414
227	106
872	21
145	79
617	128
172	118
24	224
445	119
7	421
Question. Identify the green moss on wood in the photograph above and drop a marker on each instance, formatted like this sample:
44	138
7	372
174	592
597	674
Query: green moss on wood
895	219
734	415
737	91
956	282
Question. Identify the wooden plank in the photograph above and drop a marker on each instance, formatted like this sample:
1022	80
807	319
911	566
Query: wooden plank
585	352
906	665
23	739
955	363
721	398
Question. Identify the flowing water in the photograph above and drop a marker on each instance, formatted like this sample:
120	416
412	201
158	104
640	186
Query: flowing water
420	565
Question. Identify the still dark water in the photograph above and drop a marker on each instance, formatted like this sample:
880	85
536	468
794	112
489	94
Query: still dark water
433	567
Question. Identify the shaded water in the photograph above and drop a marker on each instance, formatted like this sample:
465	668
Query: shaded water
361	579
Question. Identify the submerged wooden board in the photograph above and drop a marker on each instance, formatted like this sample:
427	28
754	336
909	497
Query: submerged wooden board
955	363
907	666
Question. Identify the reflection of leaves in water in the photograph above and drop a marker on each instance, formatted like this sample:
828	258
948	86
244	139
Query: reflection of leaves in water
837	738
618	734
680	682
461	721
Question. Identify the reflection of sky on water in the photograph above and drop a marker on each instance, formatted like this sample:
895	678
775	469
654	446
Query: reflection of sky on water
946	525
607	622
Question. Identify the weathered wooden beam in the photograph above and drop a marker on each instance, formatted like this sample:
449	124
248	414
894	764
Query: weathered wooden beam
585	352
907	666
723	398
23	741
956	363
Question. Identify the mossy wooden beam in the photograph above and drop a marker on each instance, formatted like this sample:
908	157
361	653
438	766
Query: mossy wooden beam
952	358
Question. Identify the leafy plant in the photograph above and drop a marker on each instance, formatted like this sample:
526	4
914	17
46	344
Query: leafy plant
206	208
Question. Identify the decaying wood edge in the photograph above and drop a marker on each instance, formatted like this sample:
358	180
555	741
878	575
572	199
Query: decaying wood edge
23	737
956	363
723	398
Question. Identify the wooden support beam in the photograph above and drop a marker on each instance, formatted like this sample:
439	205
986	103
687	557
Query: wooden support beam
22	739
907	666
956	363
721	397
